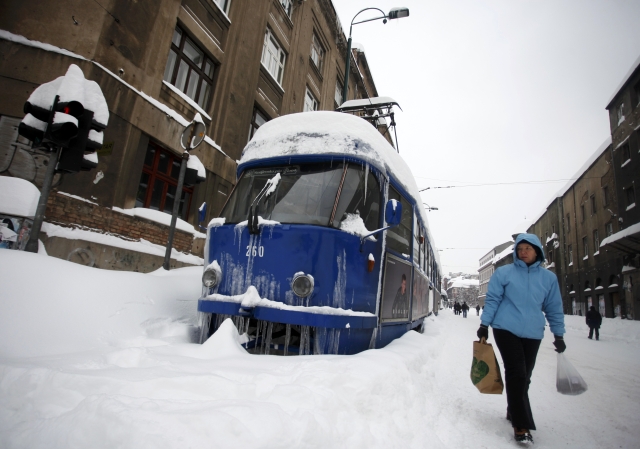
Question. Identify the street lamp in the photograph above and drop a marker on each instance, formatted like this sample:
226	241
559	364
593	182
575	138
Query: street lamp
394	13
429	208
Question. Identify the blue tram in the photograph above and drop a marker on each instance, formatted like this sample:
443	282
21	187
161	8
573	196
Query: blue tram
323	247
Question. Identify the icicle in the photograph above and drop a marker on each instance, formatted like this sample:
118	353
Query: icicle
258	327
366	178
205	323
336	341
287	338
374	334
264	337
246	326
320	340
267	346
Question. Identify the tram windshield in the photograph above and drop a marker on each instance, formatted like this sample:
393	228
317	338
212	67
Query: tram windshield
306	194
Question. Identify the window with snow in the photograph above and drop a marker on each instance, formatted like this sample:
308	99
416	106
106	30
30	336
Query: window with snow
609	229
570	252
620	113
257	120
310	102
159	181
337	95
189	69
288	6
596	241
631	195
273	56
626	154
550	257
317	51
585	247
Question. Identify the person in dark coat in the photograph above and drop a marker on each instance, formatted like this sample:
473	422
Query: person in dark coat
478	310
465	309
519	298
594	320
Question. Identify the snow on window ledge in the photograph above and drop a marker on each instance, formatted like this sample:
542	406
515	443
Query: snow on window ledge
585	257
572	292
273	78
622	118
587	289
599	287
551	265
570	265
631	206
596	253
625	163
186	98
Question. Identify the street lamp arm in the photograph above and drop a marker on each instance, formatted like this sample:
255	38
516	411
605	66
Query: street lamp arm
384	16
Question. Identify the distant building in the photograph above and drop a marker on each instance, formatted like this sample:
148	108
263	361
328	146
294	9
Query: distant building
487	268
462	288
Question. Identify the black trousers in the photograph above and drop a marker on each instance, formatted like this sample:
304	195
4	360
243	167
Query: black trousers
591	328
519	358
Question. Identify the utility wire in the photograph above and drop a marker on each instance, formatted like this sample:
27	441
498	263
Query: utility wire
548	181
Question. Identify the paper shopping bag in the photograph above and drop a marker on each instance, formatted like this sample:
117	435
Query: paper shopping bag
485	370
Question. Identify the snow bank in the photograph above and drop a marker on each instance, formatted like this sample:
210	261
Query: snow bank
18	197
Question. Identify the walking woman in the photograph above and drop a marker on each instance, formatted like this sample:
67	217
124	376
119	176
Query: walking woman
519	297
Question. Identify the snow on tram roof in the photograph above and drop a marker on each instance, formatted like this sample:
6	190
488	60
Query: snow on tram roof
333	133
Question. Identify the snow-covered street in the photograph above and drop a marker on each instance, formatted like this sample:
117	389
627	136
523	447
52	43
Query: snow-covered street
103	359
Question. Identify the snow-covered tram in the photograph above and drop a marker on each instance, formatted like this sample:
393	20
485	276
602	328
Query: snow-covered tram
323	247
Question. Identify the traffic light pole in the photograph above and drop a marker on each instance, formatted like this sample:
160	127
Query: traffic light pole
32	244
176	206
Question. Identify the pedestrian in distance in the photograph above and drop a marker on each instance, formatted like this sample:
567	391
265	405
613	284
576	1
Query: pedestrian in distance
478	310
594	320
519	297
465	309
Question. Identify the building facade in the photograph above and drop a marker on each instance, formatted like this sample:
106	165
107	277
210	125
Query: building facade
487	267
239	63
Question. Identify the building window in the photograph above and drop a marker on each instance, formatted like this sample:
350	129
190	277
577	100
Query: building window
585	247
596	241
337	95
317	51
570	251
189	69
568	223
620	114
631	196
593	204
273	57
582	213
608	229
287	5
224	5
605	196
626	155
310	102
159	180
550	257
257	120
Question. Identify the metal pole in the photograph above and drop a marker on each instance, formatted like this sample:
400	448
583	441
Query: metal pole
176	206
32	244
347	66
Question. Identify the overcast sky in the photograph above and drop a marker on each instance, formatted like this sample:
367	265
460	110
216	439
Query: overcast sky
496	91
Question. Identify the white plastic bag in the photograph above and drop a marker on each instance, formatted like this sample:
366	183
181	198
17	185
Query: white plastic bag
568	380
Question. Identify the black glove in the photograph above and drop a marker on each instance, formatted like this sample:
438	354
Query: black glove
559	344
483	332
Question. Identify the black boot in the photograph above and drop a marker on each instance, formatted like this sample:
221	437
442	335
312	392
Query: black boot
522	436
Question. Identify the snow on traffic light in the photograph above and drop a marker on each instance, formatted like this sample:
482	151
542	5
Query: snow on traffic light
69	112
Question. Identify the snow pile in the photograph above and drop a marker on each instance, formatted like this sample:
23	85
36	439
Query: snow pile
18	197
353	224
156	216
100	359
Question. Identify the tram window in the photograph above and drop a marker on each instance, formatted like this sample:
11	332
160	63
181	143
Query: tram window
360	195
422	247
399	237
305	194
416	240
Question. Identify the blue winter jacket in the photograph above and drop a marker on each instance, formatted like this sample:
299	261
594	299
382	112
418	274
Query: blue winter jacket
519	294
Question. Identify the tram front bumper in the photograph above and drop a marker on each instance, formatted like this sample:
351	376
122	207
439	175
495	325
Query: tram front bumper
327	317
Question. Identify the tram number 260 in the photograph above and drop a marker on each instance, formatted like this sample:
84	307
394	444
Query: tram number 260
253	250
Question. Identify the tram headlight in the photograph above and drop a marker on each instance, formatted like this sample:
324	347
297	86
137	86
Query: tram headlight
210	278
302	285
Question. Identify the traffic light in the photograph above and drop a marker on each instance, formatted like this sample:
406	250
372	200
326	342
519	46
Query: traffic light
71	113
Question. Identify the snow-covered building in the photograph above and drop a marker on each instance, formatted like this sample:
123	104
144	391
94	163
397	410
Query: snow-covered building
462	287
487	267
239	63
